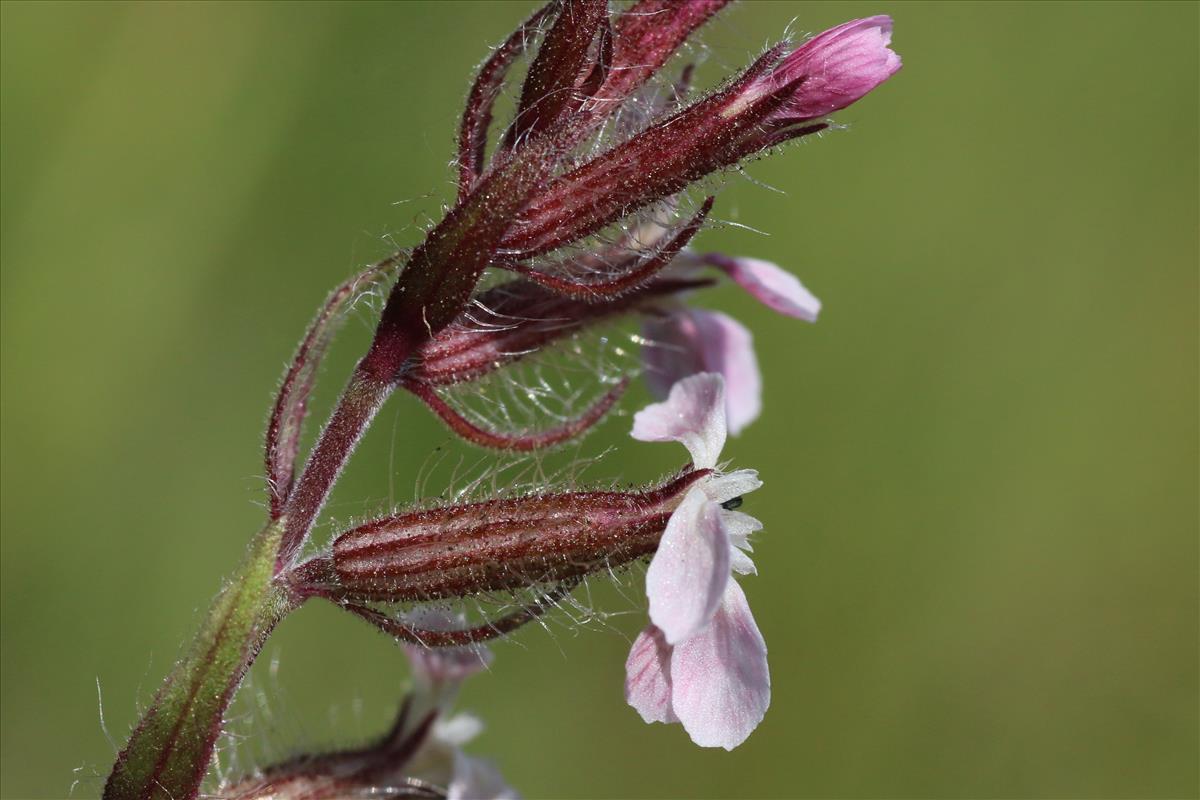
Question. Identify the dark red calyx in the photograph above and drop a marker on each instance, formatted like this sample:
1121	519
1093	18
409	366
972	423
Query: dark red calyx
648	33
465	550
477	115
645	36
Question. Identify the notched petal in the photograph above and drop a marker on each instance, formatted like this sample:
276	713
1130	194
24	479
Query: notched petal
693	414
721	683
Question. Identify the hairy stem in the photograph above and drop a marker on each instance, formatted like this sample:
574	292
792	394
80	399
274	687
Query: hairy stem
168	753
357	407
170	749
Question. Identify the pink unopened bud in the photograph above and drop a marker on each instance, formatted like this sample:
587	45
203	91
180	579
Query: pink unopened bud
834	69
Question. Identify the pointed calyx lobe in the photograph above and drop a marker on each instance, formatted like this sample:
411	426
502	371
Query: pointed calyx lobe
291	404
477	116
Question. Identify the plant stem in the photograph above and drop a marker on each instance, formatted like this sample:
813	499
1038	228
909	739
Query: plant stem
357	406
168	753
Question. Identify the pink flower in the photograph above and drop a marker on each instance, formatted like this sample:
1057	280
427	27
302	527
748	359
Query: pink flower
702	661
688	341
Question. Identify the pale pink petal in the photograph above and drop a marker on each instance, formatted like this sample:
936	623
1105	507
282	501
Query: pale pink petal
688	574
777	289
728	349
692	340
693	414
720	683
457	730
671	351
739	526
648	676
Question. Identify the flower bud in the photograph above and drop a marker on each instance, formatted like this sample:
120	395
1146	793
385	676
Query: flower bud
833	70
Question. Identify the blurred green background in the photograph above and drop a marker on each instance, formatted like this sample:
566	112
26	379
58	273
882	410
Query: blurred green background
979	568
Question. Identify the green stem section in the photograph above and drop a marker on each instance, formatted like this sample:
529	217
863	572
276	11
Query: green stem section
168	754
